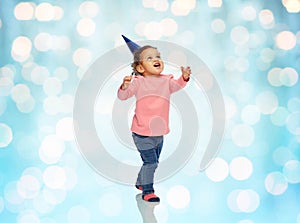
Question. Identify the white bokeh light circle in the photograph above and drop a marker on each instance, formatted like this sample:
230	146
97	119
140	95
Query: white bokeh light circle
242	135
241	168
218	170
178	197
6	135
276	183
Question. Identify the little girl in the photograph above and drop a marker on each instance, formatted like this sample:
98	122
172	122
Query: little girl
151	119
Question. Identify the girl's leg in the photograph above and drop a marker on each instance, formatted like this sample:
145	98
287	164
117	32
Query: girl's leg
150	149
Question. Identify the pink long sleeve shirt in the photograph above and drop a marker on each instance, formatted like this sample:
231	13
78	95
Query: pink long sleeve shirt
152	94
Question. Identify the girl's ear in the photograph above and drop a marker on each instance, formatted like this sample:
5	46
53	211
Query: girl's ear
140	68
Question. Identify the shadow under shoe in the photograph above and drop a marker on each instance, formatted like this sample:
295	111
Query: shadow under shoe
146	209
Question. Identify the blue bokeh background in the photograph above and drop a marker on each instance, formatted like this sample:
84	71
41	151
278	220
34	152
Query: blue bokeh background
252	48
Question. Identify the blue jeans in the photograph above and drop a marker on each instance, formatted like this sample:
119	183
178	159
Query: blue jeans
149	148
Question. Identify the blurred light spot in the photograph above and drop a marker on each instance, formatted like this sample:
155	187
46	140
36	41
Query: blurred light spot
78	213
28	217
281	155
291	171
51	149
6	135
288	76
28	187
72	178
24	11
54	177
257	39
230	107
21	49
0	23
267	102
11	195
161	5
169	27
58	13
158	5
82	57
232	200
279	117
186	38
215	3
52	105
230	63
241	168
276	183
266	18
294	104
44	12
64	129
20	93
43	42
292	6
60	42
6	84
86	27
285	40
139	28
218	26
110	204
239	35
33	171
182	7
248	201
218	170
67	102
242	135
243	201
52	86
153	30
41	205
8	71
39	74
274	76
242	64
250	114
242	50
88	9
293	123
248	13
178	197
27	68
2	104
1	205
267	55
26	106
61	73
244	91
54	196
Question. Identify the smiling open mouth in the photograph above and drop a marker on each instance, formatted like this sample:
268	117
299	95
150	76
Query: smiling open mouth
156	65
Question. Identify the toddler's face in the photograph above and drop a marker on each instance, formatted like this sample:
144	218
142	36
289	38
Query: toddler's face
151	62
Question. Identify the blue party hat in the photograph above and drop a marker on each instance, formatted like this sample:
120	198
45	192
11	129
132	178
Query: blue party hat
131	45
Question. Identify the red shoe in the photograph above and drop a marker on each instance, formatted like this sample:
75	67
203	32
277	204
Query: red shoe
138	187
150	198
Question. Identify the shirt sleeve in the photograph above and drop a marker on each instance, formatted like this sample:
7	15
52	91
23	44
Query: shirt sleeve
178	84
129	92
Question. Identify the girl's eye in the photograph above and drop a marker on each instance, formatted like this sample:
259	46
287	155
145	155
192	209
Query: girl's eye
149	58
